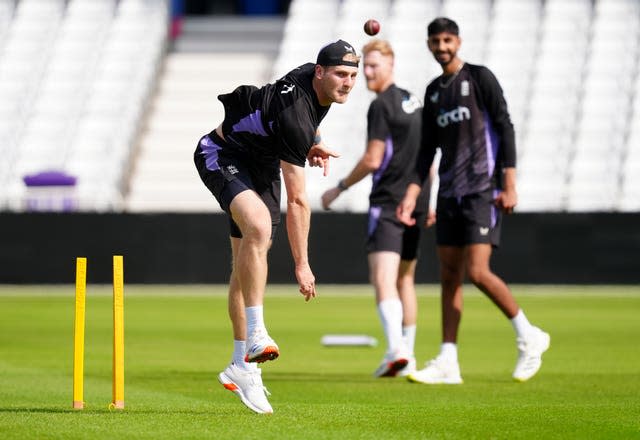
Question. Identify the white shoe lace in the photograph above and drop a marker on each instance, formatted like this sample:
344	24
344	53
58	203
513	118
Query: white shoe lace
258	333
255	379
529	346
432	363
522	345
529	356
441	366
438	362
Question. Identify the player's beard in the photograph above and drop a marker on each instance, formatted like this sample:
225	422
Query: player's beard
445	58
372	84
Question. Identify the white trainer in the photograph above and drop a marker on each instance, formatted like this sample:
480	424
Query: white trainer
409	369
392	364
437	371
530	349
260	347
247	385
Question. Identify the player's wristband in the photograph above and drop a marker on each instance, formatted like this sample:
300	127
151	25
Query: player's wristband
317	139
342	186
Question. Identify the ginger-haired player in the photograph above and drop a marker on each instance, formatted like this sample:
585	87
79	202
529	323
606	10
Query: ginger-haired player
393	141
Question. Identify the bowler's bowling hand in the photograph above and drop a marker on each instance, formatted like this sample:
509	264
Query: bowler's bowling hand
306	281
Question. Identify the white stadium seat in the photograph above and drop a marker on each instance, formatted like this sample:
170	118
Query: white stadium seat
51	58
576	113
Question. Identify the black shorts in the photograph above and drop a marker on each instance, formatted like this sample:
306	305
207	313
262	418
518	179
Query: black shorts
387	233
468	220
227	176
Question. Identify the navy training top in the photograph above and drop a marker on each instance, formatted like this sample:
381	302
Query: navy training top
466	116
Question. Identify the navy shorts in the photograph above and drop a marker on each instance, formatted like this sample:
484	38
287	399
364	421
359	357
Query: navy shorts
470	219
387	233
227	176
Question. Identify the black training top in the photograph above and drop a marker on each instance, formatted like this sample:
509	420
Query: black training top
394	117
466	116
272	123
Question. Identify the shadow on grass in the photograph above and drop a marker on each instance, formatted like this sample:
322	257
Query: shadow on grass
37	410
226	409
275	376
180	377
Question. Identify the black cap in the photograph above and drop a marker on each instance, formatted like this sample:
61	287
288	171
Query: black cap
332	54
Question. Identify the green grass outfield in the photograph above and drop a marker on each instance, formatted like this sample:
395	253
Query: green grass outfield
177	338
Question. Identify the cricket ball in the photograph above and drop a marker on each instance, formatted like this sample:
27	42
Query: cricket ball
371	27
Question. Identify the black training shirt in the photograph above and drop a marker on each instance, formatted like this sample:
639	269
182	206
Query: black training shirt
273	123
394	117
466	116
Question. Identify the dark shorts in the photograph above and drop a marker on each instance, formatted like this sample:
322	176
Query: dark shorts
227	176
387	233
470	219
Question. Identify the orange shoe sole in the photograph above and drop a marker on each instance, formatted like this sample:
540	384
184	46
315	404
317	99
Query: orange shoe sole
394	367
268	354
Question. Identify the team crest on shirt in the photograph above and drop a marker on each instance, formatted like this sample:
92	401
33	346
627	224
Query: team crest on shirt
287	88
434	98
411	104
232	169
484	230
464	88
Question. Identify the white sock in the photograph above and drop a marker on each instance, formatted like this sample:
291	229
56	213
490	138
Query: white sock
449	351
521	324
255	318
409	336
390	312
239	351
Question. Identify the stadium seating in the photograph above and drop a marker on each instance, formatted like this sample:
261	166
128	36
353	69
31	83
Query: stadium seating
76	78
185	108
569	69
234	51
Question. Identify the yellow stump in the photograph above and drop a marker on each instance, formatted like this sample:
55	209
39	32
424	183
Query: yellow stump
78	333
118	333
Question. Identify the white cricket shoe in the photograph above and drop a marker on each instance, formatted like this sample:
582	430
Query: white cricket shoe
438	371
409	368
247	385
260	347
392	364
530	349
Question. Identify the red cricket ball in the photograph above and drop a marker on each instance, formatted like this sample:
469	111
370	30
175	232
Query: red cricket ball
371	27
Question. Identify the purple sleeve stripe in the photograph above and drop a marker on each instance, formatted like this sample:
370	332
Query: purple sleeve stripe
388	155
491	141
251	124
210	152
